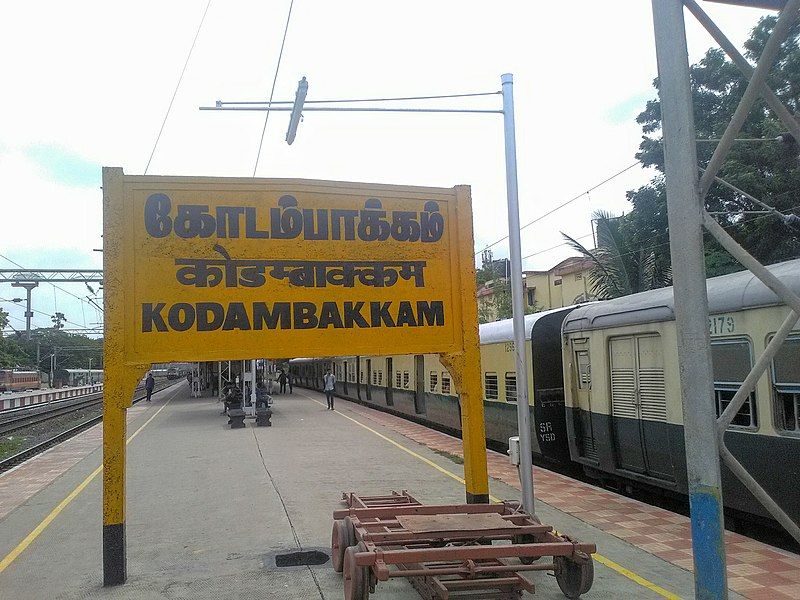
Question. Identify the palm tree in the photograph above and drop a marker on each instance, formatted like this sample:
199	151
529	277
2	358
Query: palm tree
621	266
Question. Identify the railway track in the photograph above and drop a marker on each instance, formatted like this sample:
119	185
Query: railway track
20	421
17	418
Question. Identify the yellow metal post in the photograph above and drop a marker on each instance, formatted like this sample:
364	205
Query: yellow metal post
465	367
120	383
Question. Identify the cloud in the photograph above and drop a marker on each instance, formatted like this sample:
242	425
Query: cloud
627	109
64	166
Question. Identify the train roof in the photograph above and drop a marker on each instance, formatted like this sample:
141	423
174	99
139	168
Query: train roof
83	371
503	331
727	293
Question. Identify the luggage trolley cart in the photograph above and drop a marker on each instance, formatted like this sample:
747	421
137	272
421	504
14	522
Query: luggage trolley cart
451	551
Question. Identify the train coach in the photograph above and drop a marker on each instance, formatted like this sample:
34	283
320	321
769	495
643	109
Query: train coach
624	409
18	381
604	390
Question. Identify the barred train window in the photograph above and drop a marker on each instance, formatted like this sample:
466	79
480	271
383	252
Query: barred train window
584	369
445	382
434	380
731	362
406	379
374	378
398	379
380	377
511	386
786	385
490	385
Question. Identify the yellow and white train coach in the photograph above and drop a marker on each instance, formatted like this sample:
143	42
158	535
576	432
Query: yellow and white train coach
624	409
603	384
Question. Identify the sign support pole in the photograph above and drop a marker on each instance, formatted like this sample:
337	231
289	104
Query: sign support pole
517	301
684	210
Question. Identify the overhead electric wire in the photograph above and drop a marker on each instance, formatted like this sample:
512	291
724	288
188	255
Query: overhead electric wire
562	205
41	312
274	81
556	246
631	252
356	100
175	93
16	264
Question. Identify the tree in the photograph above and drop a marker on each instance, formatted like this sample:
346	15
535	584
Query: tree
11	354
622	264
3	319
769	170
58	320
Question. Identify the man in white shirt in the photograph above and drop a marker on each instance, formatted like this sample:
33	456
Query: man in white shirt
330	380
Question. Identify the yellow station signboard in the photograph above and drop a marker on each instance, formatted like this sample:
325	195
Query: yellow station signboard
219	269
204	269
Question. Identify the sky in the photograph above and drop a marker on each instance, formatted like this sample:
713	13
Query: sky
87	85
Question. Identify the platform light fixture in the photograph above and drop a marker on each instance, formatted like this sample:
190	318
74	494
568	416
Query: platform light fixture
297	110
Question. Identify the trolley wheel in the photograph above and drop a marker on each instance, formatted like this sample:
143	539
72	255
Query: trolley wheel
574	577
339	543
356	579
350	530
525	539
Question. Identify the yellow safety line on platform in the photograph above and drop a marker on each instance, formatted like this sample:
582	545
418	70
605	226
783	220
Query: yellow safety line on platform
657	589
29	539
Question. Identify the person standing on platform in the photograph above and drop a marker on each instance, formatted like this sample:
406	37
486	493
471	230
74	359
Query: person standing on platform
330	380
149	384
282	381
289	377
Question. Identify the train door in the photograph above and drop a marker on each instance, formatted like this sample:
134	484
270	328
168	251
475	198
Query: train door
389	382
344	379
419	380
369	380
639	407
624	409
582	398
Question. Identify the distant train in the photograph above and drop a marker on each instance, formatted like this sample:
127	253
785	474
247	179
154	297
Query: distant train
78	377
603	379
18	381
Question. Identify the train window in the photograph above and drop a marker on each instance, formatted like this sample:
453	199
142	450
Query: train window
490	385
786	385
445	382
398	376
434	380
583	370
374	378
361	376
731	362
406	379
511	386
380	377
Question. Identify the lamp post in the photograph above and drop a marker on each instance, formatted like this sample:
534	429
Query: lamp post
301	104
28	312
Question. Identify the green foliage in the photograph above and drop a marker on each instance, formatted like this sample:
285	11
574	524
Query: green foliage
768	170
11	354
623	261
72	350
3	319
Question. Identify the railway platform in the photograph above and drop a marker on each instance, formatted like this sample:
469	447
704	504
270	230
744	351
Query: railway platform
209	509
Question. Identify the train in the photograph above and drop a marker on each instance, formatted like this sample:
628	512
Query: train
78	377
604	389
12	380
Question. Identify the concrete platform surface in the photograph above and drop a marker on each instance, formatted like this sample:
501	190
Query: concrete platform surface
208	507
